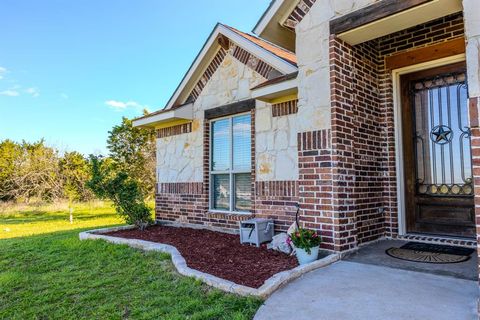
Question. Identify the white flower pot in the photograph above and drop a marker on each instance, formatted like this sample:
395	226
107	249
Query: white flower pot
303	257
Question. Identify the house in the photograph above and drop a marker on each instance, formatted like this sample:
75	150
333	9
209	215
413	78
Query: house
364	113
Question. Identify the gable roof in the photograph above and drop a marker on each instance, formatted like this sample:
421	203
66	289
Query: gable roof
267	45
281	59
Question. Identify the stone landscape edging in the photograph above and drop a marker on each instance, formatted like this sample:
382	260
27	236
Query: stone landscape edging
271	284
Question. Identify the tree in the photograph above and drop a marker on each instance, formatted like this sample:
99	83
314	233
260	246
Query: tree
133	151
121	189
9	153
75	171
33	172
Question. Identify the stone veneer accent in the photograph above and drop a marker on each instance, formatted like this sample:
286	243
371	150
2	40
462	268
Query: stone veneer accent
285	108
175	130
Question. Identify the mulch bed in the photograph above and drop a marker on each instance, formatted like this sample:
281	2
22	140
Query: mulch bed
219	254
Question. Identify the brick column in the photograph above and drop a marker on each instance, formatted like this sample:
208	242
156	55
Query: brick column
315	185
475	141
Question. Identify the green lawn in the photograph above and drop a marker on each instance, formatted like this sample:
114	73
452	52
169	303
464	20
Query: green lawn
47	273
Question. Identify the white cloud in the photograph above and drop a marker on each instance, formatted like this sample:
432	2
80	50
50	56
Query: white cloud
10	93
120	105
2	72
64	96
34	92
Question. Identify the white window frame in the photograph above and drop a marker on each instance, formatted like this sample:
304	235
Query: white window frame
231	172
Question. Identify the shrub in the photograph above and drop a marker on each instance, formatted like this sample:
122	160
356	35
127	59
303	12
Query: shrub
122	190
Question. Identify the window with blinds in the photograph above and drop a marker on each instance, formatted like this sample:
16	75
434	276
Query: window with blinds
230	165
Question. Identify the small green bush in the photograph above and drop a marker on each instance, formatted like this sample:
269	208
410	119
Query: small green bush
122	190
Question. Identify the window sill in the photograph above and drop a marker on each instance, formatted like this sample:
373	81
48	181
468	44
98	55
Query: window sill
229	213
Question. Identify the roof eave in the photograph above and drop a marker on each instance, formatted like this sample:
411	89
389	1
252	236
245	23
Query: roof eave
267	16
275	90
184	112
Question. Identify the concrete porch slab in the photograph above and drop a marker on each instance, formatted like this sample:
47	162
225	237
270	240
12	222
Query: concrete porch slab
351	291
374	253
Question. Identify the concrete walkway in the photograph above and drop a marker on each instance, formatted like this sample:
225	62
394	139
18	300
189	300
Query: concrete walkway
350	290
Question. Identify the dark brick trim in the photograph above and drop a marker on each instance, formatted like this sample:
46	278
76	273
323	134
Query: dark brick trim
254	63
285	108
175	130
207	75
181	188
287	188
298	13
230	109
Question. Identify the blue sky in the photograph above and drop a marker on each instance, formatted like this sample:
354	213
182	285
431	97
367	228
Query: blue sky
69	70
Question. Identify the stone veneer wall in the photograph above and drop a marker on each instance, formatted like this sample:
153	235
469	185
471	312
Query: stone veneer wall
276	143
188	202
183	150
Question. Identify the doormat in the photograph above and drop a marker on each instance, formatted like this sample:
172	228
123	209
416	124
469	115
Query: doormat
430	253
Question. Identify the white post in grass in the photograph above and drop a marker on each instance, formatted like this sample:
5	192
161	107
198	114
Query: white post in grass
71	215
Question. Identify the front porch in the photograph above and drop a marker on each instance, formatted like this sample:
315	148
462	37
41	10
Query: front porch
382	186
354	291
370	284
375	254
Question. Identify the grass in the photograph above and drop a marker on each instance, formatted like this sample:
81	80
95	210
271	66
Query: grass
47	273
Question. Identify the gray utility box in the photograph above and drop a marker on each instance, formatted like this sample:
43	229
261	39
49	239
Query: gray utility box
256	231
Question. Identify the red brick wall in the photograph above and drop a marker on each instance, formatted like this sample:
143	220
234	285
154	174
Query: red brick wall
315	186
364	207
181	202
475	130
277	200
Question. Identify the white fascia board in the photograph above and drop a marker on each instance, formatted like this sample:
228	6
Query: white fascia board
182	113
275	61
275	90
267	17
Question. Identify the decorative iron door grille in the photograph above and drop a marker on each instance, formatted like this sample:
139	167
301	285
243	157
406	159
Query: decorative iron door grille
443	165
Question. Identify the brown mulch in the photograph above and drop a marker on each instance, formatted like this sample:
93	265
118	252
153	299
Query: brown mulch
219	254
